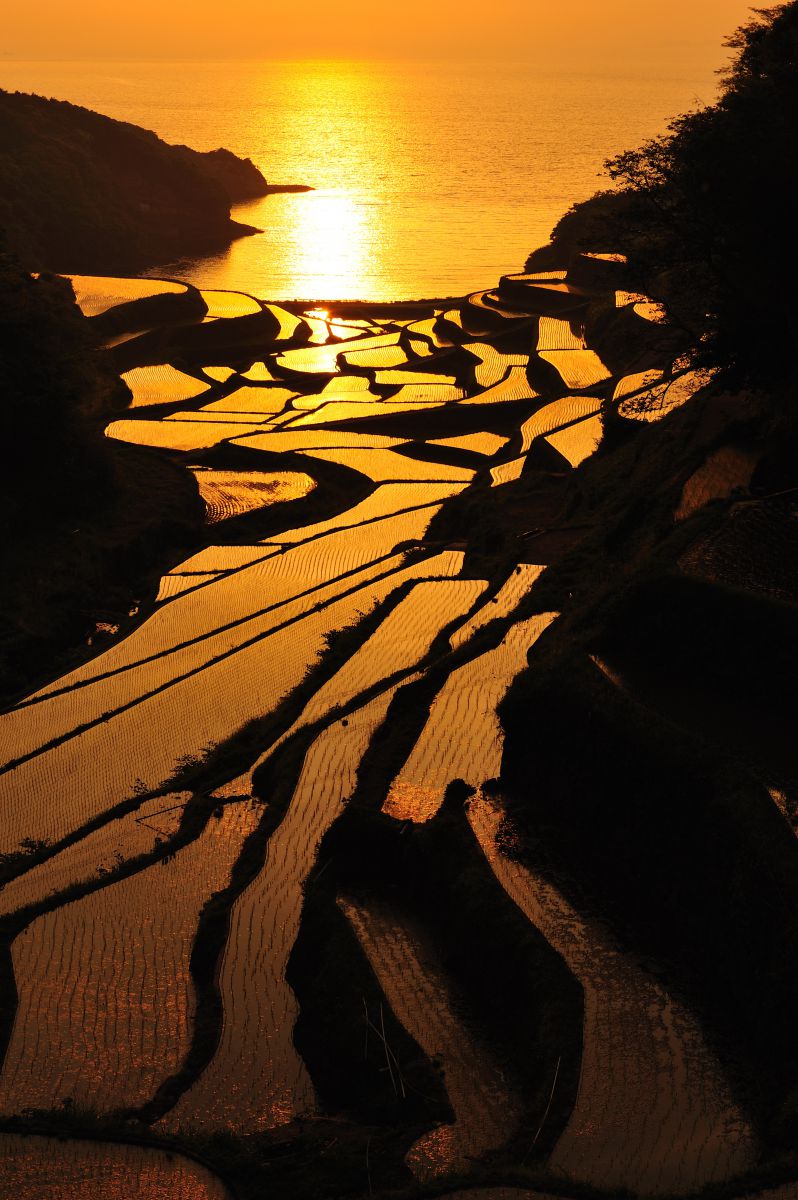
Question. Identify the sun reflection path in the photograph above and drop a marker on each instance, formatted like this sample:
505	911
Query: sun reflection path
332	242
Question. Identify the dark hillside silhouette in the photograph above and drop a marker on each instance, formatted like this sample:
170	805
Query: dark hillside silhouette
706	212
85	193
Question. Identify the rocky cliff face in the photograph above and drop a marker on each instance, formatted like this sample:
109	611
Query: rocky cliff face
86	193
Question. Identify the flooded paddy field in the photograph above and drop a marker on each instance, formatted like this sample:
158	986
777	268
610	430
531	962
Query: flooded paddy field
254	854
37	1167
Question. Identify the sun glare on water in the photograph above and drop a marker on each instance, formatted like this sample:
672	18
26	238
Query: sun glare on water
333	242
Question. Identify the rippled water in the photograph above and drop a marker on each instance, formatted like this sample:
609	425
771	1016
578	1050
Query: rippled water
432	179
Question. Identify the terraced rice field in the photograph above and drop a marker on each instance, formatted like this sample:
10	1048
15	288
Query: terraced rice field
506	600
557	415
250	401
322	359
492	365
289	323
402	640
173	585
317	439
384	465
654	1113
318	399
105	999
722	473
639	382
427	393
577	368
487	444
248	637
462	738
163	384
100	852
347	384
515	386
179	435
218	374
95	294
556	333
259	373
486	1113
208	686
229	304
47	1168
381	357
354	410
412	503
651	310
507	472
577	442
655	395
256	1079
229	493
233	418
429	330
217	559
426	378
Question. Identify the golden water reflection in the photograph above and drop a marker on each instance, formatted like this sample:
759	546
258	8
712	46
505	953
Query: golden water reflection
332	243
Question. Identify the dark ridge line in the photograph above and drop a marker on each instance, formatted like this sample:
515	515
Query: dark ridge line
222	570
377	423
311	452
160	605
221	421
50	1125
140	699
370	803
449	456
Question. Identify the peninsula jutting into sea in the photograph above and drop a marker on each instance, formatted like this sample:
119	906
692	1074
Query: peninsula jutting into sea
398	787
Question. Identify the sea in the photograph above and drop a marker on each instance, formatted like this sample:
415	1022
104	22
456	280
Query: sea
430	179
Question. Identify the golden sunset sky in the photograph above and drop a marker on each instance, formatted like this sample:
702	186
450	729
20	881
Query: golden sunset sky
571	34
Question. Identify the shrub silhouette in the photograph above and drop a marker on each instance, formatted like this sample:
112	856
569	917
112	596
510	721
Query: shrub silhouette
705	212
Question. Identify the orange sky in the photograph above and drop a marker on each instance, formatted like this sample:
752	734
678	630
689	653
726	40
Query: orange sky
561	34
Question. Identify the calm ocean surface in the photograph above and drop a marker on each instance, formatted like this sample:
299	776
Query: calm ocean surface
432	179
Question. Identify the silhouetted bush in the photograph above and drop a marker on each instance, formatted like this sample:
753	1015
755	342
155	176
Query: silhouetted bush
705	212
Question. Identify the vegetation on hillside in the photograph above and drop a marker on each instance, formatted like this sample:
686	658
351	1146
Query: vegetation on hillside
705	212
86	193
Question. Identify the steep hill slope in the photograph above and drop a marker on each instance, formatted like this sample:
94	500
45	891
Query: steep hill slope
83	192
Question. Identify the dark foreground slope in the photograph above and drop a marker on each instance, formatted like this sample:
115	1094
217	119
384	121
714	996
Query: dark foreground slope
83	515
83	192
652	739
